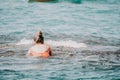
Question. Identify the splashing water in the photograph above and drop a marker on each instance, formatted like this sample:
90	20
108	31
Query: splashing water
68	43
24	41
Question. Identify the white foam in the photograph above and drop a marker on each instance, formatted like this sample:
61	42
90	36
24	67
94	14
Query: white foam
65	43
24	41
68	43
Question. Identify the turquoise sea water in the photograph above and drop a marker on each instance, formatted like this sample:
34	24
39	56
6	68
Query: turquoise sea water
84	37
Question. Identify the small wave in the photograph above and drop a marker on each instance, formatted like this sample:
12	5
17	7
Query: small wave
68	43
7	53
7	71
105	1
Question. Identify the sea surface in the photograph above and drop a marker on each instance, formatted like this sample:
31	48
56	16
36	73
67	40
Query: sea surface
84	36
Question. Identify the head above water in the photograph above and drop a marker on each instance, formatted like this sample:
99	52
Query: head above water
39	38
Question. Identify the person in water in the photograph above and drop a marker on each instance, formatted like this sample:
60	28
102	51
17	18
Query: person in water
39	49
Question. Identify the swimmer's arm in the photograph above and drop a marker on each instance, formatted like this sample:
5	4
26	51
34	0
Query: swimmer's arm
50	52
29	53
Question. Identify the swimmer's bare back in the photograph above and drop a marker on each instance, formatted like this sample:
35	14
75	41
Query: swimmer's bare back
40	51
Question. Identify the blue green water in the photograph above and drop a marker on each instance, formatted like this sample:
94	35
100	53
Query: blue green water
84	37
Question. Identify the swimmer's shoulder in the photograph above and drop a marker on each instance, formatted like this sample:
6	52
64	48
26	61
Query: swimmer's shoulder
48	46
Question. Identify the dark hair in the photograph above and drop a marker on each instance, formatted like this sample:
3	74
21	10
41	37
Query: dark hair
39	38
